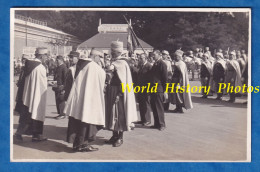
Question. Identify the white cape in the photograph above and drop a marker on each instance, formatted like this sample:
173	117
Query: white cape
86	101
185	79
125	77
35	92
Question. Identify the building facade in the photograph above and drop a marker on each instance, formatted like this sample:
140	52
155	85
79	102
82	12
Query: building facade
108	33
30	33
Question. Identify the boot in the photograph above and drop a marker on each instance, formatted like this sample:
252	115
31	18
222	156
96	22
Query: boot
113	138
232	98
219	97
178	109
119	141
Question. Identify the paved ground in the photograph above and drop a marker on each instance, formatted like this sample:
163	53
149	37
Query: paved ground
212	130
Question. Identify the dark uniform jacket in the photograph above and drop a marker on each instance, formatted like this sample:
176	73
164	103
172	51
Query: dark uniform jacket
60	76
204	72
218	72
159	75
68	84
28	68
144	74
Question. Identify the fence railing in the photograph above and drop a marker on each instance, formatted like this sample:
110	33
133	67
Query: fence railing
29	19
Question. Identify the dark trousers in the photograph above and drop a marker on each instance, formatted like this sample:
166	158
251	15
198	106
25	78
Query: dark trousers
158	109
81	133
205	82
144	107
29	126
179	101
222	90
232	96
59	103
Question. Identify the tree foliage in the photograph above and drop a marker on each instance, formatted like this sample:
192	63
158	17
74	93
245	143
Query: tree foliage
162	30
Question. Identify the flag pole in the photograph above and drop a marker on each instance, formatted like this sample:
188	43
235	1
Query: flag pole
134	33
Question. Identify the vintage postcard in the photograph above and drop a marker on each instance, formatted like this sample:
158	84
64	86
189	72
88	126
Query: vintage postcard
130	85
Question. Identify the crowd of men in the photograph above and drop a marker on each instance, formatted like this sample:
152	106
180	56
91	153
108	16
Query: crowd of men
89	90
230	68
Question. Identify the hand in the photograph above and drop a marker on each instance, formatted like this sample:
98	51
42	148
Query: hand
165	96
232	80
206	78
62	92
117	99
221	80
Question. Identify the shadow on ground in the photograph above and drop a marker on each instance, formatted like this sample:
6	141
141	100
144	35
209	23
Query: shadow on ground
219	103
46	146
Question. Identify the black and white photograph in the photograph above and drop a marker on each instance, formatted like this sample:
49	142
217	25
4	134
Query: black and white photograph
130	85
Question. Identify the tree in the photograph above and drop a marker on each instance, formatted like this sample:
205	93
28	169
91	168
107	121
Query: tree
162	30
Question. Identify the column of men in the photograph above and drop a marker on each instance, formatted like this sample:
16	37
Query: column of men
230	68
94	97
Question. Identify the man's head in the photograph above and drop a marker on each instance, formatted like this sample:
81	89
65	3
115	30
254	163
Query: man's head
24	58
219	55
84	55
73	57
97	55
200	54
238	54
165	54
143	58
116	49
207	48
220	50
178	55
41	54
156	55
232	55
150	56
60	60
197	50
205	56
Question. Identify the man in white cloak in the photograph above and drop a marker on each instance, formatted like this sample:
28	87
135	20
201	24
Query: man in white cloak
86	104
120	105
233	75
32	95
181	79
206	74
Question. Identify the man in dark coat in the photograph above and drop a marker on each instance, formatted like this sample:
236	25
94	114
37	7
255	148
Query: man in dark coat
60	77
144	97
158	76
73	57
219	74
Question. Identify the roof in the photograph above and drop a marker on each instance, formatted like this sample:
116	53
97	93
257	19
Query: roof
117	25
46	28
103	40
